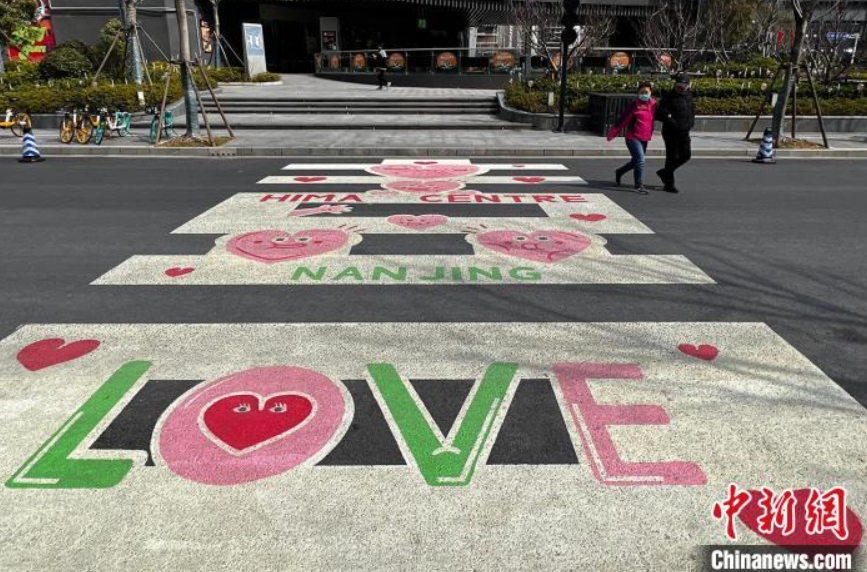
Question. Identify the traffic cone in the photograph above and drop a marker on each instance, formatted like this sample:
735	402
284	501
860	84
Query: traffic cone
766	152
29	149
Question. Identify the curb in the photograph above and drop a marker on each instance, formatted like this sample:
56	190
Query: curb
248	151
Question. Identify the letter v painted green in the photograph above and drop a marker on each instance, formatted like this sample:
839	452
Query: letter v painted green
445	463
51	468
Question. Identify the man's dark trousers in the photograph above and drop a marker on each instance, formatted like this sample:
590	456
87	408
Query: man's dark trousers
678	150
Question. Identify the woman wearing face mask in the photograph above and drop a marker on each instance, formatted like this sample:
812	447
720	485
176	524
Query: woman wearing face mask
638	122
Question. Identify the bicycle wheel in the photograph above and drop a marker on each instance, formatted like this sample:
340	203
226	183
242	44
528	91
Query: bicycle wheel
84	131
99	135
20	120
66	130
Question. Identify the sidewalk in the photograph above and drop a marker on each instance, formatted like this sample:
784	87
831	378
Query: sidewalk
409	142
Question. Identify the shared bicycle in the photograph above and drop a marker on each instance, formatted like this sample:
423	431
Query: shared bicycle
16	121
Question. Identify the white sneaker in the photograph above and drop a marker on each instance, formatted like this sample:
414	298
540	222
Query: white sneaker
388	85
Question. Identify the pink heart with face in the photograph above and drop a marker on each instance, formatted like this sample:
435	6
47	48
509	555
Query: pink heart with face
424	187
546	246
271	246
433	171
420	222
595	217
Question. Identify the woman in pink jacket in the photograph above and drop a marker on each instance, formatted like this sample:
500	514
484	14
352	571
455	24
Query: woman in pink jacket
638	122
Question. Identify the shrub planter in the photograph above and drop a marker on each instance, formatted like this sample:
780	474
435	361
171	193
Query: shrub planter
542	121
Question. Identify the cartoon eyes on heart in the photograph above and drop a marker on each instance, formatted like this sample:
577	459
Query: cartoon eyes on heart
276	408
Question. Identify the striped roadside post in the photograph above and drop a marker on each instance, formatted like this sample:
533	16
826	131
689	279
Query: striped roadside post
29	149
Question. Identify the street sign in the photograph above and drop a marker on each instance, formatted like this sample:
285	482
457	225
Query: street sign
254	49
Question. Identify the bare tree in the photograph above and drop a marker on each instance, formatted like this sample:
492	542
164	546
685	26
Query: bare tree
733	21
802	12
675	28
539	21
834	38
766	24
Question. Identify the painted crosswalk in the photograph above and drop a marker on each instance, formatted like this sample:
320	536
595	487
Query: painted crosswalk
410	445
471	237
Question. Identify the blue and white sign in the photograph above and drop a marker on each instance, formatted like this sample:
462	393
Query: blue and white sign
254	49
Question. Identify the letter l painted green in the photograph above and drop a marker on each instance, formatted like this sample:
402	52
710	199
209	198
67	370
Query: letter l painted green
51	468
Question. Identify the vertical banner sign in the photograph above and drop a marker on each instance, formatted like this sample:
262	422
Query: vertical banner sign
254	49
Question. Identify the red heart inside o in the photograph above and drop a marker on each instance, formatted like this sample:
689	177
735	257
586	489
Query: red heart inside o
248	421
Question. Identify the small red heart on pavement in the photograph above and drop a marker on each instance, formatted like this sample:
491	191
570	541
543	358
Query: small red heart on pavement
595	217
309	179
519	166
250	420
800	540
530	180
425	162
704	351
53	351
179	271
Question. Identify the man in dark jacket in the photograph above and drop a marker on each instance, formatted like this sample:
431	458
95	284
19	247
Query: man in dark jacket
676	111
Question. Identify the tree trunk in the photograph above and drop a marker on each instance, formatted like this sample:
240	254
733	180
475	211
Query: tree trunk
801	23
2	56
133	49
191	109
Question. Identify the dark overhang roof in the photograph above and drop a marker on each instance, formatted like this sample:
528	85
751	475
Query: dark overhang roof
617	7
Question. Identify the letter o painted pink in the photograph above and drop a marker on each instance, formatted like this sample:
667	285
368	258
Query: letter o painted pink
252	424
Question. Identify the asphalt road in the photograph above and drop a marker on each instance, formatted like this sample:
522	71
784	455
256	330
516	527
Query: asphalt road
786	245
385	414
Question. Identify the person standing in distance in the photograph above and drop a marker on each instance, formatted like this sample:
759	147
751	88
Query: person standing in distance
638	122
381	64
676	111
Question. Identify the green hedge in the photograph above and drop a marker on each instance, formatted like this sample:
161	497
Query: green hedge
59	95
713	97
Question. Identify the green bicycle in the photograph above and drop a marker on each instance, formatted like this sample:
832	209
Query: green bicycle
168	124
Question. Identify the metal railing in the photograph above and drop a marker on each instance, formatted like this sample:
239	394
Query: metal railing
463	61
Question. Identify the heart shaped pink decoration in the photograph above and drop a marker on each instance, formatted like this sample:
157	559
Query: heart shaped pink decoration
418	222
546	246
704	352
53	351
178	271
310	179
434	171
595	217
530	180
424	187
271	246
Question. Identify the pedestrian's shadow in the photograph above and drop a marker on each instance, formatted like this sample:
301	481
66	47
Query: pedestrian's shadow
611	186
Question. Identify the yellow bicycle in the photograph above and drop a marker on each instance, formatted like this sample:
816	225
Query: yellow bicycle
79	125
16	121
